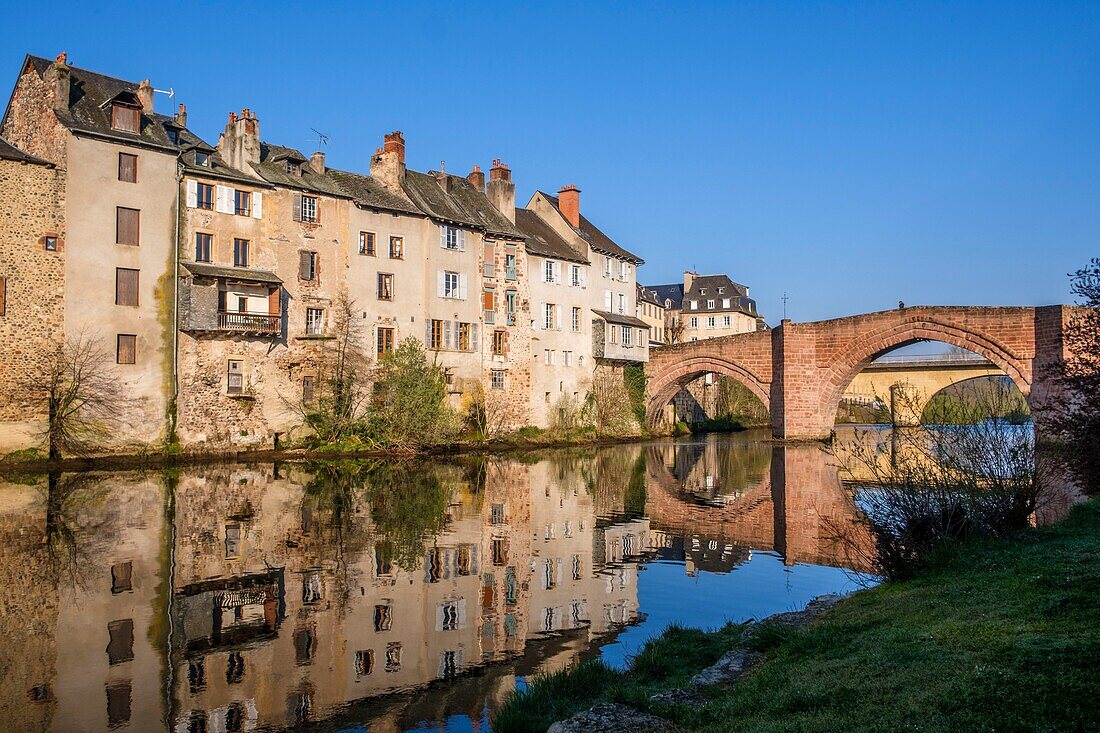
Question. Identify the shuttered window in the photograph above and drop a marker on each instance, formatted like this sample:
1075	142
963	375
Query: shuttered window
307	265
203	245
127	119
240	253
127	168
235	378
126	349
306	208
126	286
204	196
385	341
127	226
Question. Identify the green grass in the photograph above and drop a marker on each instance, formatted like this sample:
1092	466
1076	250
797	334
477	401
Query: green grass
1000	635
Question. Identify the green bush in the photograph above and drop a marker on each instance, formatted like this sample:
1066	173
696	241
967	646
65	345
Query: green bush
408	407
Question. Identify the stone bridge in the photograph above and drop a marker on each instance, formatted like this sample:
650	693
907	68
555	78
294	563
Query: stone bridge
801	370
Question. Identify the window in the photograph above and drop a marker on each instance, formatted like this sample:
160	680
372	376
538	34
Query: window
721	290
383	617
203	246
127	226
693	322
710	304
309	212
489	305
385	341
120	648
622	303
315	321
509	266
435	331
234	673
126	286
49	243
725	301
607	266
613	334
122	577
311	588
550	317
305	646
119	701
702	291
126	349
308	385
449	616
240	253
202	158
727	321
489	260
397	248
127	168
628	336
385	286
124	118
510	298
449	237
364	662
463	337
393	656
3	296
450	284
204	196
575	278
567	358
711	321
294	168
366	243
500	551
235	377
693	304
548	271
576	319
500	343
498	379
242	203
307	265
548	357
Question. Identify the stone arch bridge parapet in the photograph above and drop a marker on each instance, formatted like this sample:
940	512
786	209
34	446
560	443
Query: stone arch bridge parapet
800	370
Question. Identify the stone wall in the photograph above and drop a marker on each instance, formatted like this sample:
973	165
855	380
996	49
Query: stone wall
32	324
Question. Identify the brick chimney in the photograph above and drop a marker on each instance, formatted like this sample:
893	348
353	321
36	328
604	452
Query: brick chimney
502	192
388	163
57	75
477	178
689	278
317	162
569	203
145	95
181	116
239	144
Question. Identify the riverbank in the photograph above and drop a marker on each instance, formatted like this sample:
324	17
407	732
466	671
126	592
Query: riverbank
997	635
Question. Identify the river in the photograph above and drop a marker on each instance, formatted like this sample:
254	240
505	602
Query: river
355	596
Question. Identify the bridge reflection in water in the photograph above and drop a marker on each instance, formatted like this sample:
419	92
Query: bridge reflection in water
257	596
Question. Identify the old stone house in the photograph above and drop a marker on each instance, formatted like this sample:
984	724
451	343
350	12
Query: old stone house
708	306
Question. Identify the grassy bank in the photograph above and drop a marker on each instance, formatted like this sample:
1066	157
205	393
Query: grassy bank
997	635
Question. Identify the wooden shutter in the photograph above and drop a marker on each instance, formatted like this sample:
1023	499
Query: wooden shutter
192	194
3	296
487	300
462	286
316	209
126	286
447	334
461	240
428	333
127	168
305	260
441	283
473	337
273	302
443	236
297	210
257	205
127	226
126	352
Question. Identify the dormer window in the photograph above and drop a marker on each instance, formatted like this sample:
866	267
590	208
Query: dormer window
294	168
202	158
702	291
173	136
721	290
125	118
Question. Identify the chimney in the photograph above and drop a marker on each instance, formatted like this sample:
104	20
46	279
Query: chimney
181	116
239	144
477	178
317	162
388	163
502	192
443	180
58	76
569	203
145	95
689	278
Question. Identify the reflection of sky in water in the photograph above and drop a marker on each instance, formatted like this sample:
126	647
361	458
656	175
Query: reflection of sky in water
754	589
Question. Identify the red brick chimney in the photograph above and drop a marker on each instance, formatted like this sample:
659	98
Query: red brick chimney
569	203
395	143
502	192
387	165
477	178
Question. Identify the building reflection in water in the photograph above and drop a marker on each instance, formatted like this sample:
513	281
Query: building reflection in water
231	598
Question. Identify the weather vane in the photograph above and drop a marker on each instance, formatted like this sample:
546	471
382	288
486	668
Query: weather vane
785	299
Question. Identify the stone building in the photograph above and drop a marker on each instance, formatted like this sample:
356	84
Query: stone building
118	159
32	286
707	306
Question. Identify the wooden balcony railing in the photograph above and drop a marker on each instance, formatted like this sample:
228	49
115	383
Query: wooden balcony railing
250	322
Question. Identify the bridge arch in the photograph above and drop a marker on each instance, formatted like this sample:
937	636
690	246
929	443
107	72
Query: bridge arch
664	386
861	351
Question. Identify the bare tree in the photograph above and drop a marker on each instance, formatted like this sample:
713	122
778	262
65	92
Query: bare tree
674	329
83	394
490	413
609	402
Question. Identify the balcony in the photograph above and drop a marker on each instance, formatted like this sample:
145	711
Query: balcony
265	323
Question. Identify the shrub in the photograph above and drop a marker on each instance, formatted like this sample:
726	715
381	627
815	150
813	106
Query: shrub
408	406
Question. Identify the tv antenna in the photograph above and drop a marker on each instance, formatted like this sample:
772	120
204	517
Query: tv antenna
322	138
170	92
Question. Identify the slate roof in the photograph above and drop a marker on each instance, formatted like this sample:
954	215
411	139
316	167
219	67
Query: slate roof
216	166
595	238
464	204
272	168
543	241
89	112
648	295
673	293
370	193
10	152
232	273
737	294
620	318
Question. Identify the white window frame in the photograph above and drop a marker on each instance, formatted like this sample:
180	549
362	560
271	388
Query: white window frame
309	208
315	321
451	284
576	319
550	319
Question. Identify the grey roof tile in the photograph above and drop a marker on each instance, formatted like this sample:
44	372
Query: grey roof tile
543	241
596	238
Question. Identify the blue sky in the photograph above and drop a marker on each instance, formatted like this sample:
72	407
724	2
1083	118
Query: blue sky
851	155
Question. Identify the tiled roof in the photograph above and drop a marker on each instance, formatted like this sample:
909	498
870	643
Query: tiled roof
648	295
10	152
463	204
89	111
216	165
673	293
620	318
232	273
272	168
542	240
370	193
597	239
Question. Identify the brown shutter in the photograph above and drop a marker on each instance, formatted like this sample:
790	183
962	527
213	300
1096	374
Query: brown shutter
317	210
303	265
127	349
127	226
273	302
126	286
297	207
127	168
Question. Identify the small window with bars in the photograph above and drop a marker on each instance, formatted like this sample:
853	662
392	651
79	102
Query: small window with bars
235	376
498	381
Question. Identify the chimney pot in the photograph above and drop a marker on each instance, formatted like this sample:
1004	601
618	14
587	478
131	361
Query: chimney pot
499	171
181	116
569	203
394	142
477	178
388	163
